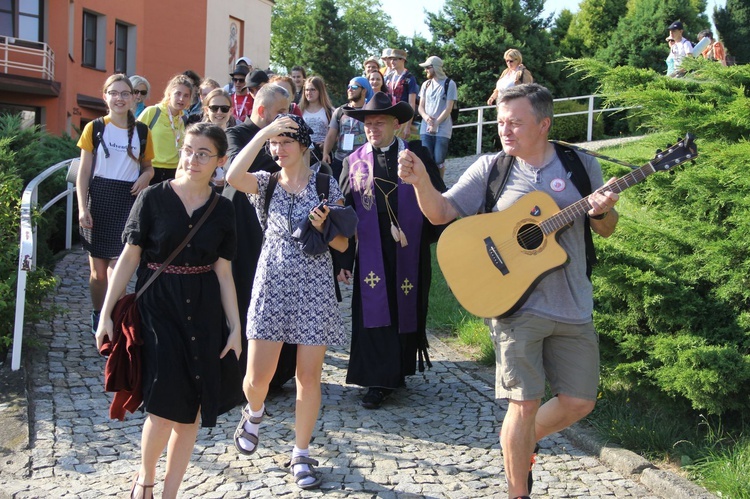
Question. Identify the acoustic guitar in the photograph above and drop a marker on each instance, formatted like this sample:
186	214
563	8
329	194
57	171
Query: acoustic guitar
493	261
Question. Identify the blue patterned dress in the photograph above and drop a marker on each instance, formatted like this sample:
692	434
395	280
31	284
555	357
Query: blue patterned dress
293	298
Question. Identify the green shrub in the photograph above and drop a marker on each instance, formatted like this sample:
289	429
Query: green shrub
672	288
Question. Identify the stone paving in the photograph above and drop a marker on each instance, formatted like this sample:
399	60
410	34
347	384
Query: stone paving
435	439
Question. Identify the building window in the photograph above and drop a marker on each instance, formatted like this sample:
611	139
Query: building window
93	40
121	48
21	19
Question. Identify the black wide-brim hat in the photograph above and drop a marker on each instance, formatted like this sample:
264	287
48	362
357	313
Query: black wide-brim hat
381	104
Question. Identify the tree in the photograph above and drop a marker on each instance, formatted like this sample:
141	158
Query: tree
593	24
733	24
323	48
362	30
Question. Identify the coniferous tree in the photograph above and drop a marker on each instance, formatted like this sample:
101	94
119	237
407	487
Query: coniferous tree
325	50
733	24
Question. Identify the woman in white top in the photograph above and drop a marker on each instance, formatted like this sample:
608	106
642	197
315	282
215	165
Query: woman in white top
109	179
316	111
515	74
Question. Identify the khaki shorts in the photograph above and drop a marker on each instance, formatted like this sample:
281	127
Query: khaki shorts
528	348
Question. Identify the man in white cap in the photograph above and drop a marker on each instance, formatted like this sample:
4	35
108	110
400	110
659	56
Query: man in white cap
437	97
681	47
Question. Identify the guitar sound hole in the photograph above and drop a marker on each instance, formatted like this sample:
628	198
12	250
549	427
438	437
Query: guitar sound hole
530	236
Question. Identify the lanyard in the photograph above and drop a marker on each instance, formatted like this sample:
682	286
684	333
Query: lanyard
175	131
239	111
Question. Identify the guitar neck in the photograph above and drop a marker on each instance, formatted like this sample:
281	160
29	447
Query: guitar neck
582	206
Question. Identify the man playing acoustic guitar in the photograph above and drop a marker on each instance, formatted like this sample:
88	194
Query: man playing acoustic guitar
551	334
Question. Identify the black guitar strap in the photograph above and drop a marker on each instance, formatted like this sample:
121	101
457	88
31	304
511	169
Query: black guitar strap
500	171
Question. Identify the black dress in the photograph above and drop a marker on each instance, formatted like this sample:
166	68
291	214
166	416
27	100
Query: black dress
183	324
381	357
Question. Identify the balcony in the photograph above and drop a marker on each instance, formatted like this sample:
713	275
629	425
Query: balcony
27	67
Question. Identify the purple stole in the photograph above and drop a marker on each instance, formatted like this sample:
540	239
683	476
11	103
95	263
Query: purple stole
373	285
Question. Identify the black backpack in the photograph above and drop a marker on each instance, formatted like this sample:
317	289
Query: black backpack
98	133
500	171
456	107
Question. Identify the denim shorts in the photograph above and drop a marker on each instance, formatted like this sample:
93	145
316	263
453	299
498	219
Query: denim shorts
438	147
529	349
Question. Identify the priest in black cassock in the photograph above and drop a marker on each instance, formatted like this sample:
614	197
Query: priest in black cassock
392	273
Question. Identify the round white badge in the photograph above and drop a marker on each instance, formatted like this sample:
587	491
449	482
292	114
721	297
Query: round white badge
557	185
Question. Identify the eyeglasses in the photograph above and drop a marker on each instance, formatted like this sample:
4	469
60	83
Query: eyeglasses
428	67
141	92
115	94
237	80
354	87
281	143
201	157
216	109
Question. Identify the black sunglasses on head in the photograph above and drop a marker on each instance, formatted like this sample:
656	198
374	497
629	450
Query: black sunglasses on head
216	109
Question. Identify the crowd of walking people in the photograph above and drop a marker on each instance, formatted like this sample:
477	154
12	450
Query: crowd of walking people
292	198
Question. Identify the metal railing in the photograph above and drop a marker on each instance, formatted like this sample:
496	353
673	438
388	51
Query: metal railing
27	244
591	111
31	58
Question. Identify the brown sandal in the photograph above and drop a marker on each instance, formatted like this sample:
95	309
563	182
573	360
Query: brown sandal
241	433
143	487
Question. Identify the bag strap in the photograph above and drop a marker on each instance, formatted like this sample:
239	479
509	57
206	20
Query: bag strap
182	245
445	88
153	120
272	181
499	173
322	184
142	130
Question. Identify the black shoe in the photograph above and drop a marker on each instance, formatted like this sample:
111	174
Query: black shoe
375	397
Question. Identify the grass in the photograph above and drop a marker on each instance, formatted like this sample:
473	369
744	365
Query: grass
713	452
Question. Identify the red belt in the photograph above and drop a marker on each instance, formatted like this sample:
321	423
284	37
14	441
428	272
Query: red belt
179	269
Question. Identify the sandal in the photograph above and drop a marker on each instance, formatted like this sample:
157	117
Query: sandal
143	487
240	432
305	474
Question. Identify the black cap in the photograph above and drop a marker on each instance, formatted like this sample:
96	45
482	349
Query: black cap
675	25
240	70
256	78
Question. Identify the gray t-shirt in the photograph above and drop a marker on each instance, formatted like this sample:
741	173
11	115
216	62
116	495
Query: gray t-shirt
565	295
432	93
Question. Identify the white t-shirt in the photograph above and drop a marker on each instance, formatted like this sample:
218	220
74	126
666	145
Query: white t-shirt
318	122
118	166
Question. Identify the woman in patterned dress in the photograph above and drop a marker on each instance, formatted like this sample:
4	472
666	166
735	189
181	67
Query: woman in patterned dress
293	298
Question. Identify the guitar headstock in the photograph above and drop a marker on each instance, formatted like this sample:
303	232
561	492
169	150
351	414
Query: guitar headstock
683	151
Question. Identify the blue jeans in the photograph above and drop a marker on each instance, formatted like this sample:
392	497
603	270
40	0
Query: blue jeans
438	147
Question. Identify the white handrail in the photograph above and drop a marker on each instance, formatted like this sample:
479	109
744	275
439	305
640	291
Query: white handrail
27	245
481	121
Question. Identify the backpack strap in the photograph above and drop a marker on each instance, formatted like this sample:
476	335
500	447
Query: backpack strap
499	173
153	120
445	88
142	130
573	165
272	181
322	185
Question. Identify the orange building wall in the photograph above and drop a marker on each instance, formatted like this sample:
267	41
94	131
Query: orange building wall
174	40
170	39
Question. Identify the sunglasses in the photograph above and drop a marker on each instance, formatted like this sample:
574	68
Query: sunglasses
354	87
216	109
428	67
141	92
237	80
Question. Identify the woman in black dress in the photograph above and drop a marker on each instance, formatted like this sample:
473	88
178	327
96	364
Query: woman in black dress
185	312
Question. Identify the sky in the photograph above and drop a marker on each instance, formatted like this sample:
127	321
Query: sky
408	15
